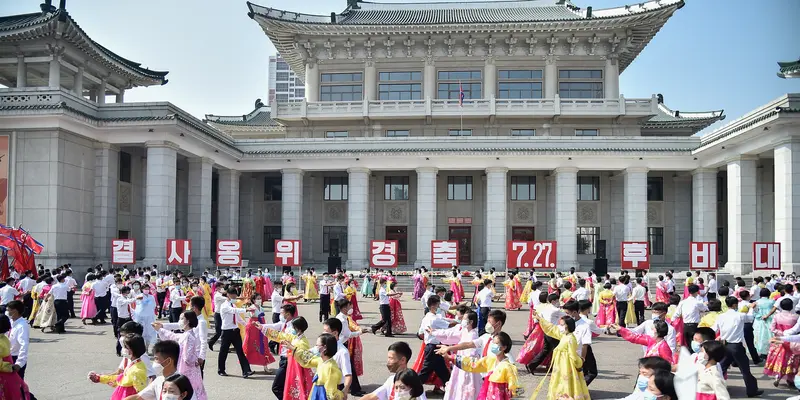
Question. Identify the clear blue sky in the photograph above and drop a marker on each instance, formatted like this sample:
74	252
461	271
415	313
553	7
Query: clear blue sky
712	54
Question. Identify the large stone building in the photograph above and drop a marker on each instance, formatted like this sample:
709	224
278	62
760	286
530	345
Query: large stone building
542	146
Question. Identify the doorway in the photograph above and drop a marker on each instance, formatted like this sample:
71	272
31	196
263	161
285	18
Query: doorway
522	233
463	235
399	233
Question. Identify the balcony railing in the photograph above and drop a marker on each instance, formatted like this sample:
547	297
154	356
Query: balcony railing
377	109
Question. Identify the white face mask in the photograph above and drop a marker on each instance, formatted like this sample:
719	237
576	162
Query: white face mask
402	395
350	312
169	396
158	368
489	329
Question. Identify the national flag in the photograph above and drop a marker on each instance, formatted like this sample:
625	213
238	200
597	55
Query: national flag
24	237
4	272
460	94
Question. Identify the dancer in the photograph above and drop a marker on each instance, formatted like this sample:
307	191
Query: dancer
231	335
144	314
342	357
502	382
419	288
761	323
398	320
188	362
432	363
512	301
256	346
570	382
133	378
535	341
689	311
328	375
88	307
292	380
746	307
730	327
553	314
310	291
462	384
655	340
710	383
385	309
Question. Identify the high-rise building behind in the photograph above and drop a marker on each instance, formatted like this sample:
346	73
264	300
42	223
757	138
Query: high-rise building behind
284	85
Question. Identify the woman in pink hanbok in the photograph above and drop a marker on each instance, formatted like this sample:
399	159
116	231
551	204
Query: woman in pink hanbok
88	308
398	321
661	290
656	346
607	313
190	344
535	341
462	385
781	362
419	290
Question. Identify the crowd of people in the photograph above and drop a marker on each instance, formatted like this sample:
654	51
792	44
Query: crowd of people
693	336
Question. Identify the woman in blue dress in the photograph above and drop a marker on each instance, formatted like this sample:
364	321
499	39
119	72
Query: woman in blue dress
366	287
761	331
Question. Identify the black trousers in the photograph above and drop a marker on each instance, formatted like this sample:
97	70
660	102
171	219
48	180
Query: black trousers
175	314
355	386
550	343
433	363
324	307
280	378
749	340
735	353
71	303
119	323
638	309
335	307
100	303
114	325
160	297
622	312
483	317
232	337
712	296
62	315
21	371
688	334
386	320
217	329
27	301
274	346
590	367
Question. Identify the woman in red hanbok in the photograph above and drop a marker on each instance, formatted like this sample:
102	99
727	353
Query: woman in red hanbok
351	294
398	321
656	346
259	282
607	313
781	362
12	387
255	345
268	287
512	300
290	296
355	348
535	341
661	290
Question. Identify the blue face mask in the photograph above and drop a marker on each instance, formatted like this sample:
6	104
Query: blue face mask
494	348
641	383
695	347
649	396
292	332
315	351
655	317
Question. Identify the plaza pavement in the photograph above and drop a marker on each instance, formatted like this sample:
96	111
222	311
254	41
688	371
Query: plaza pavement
58	364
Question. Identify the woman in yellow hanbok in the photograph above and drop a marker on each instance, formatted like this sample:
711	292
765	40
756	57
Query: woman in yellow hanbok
566	378
324	384
206	288
526	292
298	378
502	382
310	287
714	310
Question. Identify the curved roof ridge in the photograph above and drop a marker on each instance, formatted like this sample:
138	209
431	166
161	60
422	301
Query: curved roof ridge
690	114
439	5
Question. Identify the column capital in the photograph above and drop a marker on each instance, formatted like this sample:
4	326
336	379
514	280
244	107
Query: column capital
161	143
633	170
357	170
292	171
700	171
232	172
103	145
430	170
788	140
201	160
742	157
570	170
497	170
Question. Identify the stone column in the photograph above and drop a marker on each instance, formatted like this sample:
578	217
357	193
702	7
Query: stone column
551	82
312	82
101	96
741	215
120	96
160	183
199	215
704	205
106	181
683	219
787	203
635	204
429	80
426	214
496	217
370	81
22	72
566	217
611	78
228	193
292	204
357	210
246	211
54	76
78	86
489	79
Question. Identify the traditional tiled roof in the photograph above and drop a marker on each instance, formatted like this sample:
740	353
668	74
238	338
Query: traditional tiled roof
642	21
696	121
57	22
789	69
258	117
460	150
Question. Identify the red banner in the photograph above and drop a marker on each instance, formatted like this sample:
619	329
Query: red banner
383	253
635	255
766	256
703	256
229	253
179	252
123	251
531	254
444	253
287	253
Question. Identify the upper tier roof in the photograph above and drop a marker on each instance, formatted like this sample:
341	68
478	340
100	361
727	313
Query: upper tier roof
258	117
57	23
789	69
673	119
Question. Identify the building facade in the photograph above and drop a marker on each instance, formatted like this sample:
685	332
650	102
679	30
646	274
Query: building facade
476	122
284	85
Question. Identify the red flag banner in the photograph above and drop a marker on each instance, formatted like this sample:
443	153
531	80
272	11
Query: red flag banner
4	272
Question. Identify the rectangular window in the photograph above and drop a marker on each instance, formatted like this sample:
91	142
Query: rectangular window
273	188
580	74
338	233
335	188
721	189
523	188
125	167
520	84
281	98
343	86
282	66
589	188
655	188
450	84
587	238
523	132
586	132
655	236
271	234
396	133
400	85
123	234
336	134
459	188
460	132
395	188
281	76
300	92
282	87
580	84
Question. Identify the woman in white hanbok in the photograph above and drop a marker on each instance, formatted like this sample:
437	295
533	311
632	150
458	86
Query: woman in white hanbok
145	314
462	385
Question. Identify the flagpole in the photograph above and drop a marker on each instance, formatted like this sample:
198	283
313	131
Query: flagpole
461	106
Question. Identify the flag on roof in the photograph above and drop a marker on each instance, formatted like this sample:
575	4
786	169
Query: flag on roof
460	94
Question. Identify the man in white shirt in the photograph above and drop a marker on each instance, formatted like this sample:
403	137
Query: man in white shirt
26	285
386	311
433	362
670	284
646	328
113	293
746	307
338	290
19	337
551	313
590	370
639	293
7	293
342	357
730	326
690	309
581	293
122	303
485	297
100	288
177	300
161	292
533	298
231	335
219	298
622	293
71	284
325	297
424	299
712	286
60	291
397	359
